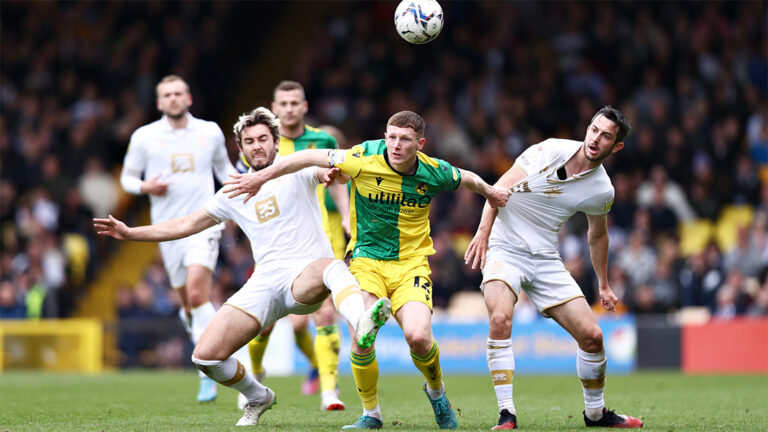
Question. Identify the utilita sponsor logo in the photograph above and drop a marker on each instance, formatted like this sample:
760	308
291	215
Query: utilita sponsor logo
399	199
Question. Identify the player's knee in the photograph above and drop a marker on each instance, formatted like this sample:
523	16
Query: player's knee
500	322
419	340
592	341
206	354
324	316
196	298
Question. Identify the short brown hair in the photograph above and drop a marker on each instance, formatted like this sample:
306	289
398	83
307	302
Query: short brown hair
257	116
170	78
288	85
409	119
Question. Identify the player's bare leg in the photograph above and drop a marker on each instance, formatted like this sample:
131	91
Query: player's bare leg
229	330
415	318
576	317
500	302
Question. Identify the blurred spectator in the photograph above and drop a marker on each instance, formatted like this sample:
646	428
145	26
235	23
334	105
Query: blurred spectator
673	195
11	302
745	257
700	279
760	306
757	135
638	260
98	188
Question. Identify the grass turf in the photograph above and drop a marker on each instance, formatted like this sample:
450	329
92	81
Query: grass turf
164	401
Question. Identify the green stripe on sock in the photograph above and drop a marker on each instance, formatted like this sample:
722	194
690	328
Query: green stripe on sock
362	359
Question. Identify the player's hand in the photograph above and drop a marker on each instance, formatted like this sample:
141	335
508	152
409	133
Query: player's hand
247	184
330	176
608	299
154	186
498	197
111	227
476	251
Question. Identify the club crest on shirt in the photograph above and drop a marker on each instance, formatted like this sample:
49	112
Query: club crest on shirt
182	162
422	189
552	192
267	209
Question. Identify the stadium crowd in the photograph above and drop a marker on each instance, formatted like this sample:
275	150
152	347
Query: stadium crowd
78	78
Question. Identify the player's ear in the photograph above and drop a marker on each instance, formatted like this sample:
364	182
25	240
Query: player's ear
618	146
422	141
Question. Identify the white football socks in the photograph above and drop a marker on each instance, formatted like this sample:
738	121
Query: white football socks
345	291
232	373
591	370
501	363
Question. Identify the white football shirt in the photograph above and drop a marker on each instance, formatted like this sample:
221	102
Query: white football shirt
282	221
182	157
541	203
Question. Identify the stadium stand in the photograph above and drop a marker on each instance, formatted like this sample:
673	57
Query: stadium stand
78	77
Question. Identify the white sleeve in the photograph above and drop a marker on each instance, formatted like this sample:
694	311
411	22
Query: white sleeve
217	208
133	165
222	167
309	175
600	204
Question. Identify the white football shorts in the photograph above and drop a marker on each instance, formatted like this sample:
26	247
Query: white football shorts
267	295
198	249
545	280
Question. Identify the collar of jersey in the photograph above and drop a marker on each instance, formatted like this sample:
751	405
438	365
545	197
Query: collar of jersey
574	177
386	159
169	128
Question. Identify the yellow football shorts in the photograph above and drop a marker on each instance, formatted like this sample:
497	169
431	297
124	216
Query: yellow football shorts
401	281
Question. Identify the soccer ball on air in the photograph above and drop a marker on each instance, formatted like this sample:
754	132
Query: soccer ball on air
418	21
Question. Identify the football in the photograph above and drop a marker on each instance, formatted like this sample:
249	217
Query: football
418	21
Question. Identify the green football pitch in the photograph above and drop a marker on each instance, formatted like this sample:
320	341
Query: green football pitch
164	401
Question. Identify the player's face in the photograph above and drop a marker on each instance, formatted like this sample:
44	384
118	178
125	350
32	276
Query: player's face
402	146
258	146
173	99
290	107
600	141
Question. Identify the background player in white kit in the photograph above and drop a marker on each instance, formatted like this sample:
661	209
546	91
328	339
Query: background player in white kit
295	265
551	181
177	154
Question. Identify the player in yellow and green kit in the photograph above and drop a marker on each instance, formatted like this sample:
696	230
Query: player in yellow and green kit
290	106
393	184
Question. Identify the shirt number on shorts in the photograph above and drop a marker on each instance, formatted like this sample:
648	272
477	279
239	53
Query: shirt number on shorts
426	286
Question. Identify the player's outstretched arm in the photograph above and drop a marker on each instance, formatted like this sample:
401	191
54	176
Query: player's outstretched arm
478	247
496	196
250	183
171	229
335	182
597	235
475	254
